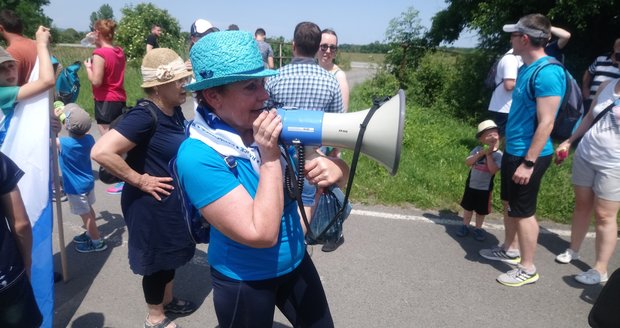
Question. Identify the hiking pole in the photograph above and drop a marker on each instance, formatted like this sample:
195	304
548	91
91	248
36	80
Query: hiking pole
56	181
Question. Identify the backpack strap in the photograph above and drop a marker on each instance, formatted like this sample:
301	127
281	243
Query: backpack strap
144	103
531	92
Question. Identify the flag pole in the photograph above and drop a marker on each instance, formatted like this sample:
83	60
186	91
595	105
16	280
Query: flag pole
56	180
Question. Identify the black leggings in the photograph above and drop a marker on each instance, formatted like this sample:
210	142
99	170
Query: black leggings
154	286
298	294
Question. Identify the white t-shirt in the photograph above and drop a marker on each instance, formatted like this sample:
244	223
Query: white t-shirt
601	144
507	68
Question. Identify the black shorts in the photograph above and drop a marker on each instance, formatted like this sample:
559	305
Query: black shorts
476	200
107	111
521	198
500	120
18	308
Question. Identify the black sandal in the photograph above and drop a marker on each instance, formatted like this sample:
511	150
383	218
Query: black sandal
178	306
162	324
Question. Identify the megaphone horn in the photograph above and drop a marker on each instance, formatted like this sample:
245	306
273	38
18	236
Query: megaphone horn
383	135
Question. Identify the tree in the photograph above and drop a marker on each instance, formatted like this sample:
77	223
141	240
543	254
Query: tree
30	12
136	24
69	35
405	35
104	12
593	24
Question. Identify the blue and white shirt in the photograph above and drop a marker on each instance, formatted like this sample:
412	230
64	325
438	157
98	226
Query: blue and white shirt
306	85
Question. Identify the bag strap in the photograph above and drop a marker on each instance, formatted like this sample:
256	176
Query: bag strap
567	91
607	109
144	103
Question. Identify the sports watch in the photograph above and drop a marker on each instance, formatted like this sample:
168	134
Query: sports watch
528	163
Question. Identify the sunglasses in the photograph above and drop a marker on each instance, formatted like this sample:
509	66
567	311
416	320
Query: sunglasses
331	47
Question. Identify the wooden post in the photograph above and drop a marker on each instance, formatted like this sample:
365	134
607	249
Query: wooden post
56	181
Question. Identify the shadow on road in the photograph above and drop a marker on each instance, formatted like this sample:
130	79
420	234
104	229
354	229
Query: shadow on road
82	270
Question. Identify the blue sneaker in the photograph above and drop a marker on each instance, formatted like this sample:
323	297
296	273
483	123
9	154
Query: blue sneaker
463	231
81	238
480	234
90	246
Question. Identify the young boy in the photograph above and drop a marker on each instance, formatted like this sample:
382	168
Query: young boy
485	160
18	307
10	92
77	174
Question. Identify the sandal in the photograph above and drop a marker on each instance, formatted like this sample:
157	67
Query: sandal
178	306
162	324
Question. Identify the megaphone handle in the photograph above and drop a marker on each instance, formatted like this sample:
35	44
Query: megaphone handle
356	156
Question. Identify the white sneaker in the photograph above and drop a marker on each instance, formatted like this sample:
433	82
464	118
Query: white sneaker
591	277
567	256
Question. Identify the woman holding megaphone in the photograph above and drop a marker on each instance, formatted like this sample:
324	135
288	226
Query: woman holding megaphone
232	169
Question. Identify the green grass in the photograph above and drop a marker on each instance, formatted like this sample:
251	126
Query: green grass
432	171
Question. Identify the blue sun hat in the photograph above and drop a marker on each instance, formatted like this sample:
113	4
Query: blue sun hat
225	57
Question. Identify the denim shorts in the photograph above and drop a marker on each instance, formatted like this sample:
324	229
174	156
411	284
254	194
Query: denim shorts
80	204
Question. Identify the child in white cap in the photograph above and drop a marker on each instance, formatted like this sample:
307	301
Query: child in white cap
77	174
485	160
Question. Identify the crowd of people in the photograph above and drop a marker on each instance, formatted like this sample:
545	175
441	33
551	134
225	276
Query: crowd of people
524	119
257	253
231	76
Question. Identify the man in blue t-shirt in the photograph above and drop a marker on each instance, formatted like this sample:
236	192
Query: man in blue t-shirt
528	147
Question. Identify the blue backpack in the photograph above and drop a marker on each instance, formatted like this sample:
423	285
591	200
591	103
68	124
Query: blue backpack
68	83
197	226
571	109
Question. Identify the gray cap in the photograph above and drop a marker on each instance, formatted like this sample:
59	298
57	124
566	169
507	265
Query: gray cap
5	56
77	120
522	27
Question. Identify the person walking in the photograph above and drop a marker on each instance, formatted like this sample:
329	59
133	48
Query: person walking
596	181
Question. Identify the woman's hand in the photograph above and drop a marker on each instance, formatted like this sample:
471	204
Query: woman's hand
562	152
155	185
323	172
43	35
267	128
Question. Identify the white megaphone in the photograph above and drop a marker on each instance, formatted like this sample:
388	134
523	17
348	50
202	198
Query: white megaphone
383	135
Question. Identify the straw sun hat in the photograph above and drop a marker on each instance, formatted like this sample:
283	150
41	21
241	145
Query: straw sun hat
161	66
484	126
225	57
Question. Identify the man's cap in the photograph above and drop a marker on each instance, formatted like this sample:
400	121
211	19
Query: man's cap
484	126
77	120
5	56
521	27
202	27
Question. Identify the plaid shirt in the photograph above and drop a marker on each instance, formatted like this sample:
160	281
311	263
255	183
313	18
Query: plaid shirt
306	85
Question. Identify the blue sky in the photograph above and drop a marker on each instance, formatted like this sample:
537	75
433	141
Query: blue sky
356	22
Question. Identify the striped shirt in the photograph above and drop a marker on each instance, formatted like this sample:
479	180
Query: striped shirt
602	69
304	84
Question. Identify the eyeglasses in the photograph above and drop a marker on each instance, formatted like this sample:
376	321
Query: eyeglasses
331	47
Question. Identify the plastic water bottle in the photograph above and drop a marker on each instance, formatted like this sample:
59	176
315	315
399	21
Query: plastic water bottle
88	40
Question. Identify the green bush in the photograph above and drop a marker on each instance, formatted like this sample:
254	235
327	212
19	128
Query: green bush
135	26
431	77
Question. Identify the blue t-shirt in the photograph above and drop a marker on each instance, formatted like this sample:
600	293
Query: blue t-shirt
522	120
205	177
75	164
11	263
8	97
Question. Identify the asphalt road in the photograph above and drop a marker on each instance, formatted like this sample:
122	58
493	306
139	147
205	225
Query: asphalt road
399	267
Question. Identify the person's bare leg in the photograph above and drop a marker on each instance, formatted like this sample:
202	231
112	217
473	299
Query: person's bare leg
527	231
584	204
605	212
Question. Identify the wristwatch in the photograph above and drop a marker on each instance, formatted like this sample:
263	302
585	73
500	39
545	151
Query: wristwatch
528	163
